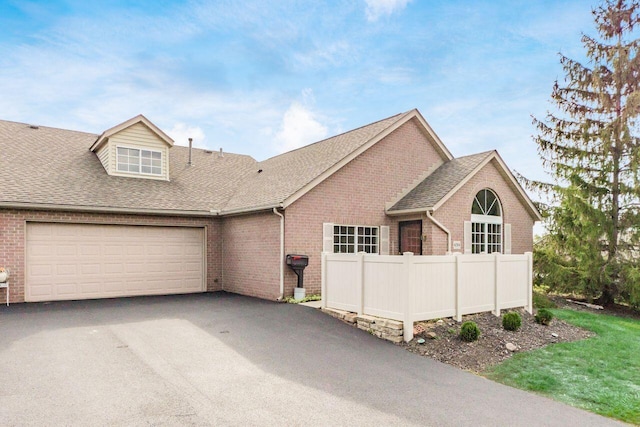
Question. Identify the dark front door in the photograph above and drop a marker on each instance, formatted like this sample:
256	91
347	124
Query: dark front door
411	236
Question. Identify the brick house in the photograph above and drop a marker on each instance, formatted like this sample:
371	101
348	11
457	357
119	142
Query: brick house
128	213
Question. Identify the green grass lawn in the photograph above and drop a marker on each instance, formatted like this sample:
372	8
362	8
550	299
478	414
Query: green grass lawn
600	374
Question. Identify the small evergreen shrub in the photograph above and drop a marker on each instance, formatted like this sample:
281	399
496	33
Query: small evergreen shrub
544	316
469	331
541	300
511	321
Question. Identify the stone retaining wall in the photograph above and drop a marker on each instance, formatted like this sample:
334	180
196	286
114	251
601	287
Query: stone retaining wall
387	329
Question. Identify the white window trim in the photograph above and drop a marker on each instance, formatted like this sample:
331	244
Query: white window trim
355	238
140	150
485	244
489	219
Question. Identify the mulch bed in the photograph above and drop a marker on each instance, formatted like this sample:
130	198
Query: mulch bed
491	347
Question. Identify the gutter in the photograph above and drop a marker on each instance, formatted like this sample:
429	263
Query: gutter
275	211
443	228
404	211
105	209
241	211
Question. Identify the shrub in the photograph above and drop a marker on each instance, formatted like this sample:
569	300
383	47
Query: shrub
511	321
544	316
541	300
469	331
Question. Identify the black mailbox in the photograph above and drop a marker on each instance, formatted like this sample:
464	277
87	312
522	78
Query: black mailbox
297	263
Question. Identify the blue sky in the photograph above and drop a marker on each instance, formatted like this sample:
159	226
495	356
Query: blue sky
259	78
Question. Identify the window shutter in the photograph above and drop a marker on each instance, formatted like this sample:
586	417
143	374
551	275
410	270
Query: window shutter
507	238
467	237
384	240
327	237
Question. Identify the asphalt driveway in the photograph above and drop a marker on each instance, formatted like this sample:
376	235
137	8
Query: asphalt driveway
221	359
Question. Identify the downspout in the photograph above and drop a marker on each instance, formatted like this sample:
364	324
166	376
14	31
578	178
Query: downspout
443	228
275	211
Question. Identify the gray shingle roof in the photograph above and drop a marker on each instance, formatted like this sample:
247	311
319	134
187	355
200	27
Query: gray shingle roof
287	173
49	166
55	167
439	183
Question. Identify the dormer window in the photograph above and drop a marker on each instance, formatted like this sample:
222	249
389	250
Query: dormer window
134	160
135	149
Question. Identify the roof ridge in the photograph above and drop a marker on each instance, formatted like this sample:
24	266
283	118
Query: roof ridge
486	153
399	115
47	127
212	151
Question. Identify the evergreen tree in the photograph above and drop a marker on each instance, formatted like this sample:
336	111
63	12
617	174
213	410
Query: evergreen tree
592	148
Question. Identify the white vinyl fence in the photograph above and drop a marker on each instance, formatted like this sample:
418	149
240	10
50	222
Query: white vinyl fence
412	288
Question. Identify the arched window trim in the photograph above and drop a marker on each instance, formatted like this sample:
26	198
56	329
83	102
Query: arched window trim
486	230
485	209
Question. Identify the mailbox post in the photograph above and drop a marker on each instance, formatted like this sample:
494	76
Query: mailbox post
298	263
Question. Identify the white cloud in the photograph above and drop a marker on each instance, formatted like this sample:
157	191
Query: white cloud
378	8
299	127
324	55
181	132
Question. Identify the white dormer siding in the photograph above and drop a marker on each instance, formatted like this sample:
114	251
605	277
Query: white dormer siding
103	155
141	146
138	137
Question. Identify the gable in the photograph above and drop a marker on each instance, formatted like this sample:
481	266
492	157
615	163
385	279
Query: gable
361	188
445	182
285	178
137	142
437	185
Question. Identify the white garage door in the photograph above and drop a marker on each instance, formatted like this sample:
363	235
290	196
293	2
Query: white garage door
80	261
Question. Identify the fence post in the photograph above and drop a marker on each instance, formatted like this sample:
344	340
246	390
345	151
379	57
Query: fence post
407	323
323	284
360	282
497	260
457	279
529	281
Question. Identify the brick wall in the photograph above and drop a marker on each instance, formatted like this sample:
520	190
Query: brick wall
13	238
251	255
356	195
458	209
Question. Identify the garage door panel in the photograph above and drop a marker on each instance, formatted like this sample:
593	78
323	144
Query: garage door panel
90	269
66	270
78	261
91	288
67	250
193	267
89	250
155	249
66	289
39	290
41	270
39	249
112	249
134	249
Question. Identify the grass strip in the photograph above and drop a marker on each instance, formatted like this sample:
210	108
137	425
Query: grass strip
600	374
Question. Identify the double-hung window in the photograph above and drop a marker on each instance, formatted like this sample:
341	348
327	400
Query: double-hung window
134	160
349	239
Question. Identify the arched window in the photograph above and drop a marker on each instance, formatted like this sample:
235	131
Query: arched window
486	223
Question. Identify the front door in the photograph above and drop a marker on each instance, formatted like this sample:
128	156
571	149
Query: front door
411	236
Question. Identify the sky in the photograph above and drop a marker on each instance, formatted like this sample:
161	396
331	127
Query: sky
264	77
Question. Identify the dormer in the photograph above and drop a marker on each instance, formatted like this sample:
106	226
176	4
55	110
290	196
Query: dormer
136	148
